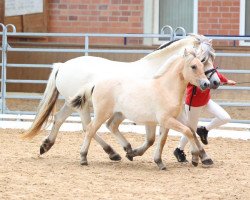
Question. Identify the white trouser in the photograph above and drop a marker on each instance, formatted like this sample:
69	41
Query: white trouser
192	118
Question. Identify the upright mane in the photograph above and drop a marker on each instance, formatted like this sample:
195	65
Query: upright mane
173	46
166	44
205	49
204	45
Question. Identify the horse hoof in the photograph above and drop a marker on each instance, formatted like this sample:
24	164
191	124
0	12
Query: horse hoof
46	146
163	168
129	157
194	163
84	162
207	163
115	157
42	150
160	164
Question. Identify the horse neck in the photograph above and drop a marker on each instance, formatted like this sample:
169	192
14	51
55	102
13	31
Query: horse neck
172	80
158	57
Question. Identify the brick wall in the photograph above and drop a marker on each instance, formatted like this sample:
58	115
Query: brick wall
219	18
96	16
1	11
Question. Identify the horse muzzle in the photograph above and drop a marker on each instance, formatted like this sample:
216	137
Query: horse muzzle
204	84
214	84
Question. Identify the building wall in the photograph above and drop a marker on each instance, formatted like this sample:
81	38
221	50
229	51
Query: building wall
96	16
1	11
215	17
219	18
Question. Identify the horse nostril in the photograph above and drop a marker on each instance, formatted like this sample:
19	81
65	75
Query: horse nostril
215	83
205	85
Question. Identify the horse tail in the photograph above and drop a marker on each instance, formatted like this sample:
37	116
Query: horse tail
46	105
83	95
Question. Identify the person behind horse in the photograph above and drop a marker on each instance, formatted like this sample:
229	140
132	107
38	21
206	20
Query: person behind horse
196	102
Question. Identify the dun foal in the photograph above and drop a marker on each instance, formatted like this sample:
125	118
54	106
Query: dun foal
157	100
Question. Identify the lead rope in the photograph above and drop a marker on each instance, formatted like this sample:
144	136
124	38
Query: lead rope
191	99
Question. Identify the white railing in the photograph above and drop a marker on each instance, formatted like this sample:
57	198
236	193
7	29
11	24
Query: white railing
172	34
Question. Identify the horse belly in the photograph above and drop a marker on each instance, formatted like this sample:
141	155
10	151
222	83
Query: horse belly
137	105
140	117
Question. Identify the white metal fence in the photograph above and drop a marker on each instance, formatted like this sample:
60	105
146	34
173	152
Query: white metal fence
10	31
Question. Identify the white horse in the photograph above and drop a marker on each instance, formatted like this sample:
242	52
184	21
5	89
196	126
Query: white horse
66	79
152	101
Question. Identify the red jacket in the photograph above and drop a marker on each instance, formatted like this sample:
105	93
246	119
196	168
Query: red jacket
200	98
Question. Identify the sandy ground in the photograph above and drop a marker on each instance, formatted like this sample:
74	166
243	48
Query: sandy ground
58	174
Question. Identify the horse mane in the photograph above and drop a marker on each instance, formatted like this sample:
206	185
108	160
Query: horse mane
206	49
204	45
173	45
166	66
166	44
163	69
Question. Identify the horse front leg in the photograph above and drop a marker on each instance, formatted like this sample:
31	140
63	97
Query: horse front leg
205	159
59	118
160	145
149	141
86	119
113	125
174	124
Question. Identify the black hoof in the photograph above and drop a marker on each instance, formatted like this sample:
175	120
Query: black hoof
207	162
46	146
194	163
129	157
84	163
42	150
115	157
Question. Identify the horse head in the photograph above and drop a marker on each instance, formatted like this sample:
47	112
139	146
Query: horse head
206	54
193	70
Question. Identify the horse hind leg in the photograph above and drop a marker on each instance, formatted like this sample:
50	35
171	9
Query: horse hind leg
113	124
59	118
149	141
86	119
90	132
113	155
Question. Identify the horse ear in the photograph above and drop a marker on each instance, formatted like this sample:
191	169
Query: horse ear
210	41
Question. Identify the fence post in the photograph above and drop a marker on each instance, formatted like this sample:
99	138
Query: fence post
86	45
4	64
3	71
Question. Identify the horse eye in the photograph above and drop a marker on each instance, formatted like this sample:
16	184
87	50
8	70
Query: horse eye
203	60
194	67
